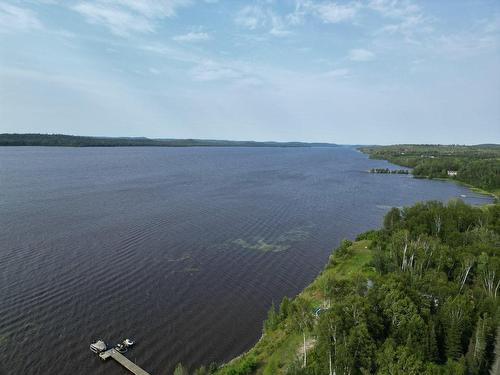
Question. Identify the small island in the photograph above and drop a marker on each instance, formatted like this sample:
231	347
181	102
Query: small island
389	171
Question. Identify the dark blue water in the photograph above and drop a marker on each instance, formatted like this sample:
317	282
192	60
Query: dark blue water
182	249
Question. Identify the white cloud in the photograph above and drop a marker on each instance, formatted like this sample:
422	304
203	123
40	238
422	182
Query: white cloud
331	12
466	43
118	21
251	17
255	17
192	37
278	26
407	18
404	14
123	17
394	8
258	16
360	54
15	19
152	8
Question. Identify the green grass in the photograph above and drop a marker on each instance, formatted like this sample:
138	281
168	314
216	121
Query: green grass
282	355
355	262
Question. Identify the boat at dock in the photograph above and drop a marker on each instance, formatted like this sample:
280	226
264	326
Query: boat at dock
98	346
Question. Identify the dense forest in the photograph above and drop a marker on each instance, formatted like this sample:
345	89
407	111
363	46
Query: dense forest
419	296
474	165
79	141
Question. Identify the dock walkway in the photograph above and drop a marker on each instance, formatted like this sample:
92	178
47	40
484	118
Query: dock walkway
124	361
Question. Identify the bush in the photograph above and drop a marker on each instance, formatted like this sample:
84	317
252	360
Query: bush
243	367
368	235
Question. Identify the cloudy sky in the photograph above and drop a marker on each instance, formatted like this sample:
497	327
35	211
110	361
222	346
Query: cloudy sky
374	71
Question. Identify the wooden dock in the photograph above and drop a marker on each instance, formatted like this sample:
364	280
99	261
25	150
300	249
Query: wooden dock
124	361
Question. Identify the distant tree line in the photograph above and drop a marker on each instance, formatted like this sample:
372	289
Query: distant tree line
62	140
475	165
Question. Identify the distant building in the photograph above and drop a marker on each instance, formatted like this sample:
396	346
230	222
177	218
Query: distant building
452	173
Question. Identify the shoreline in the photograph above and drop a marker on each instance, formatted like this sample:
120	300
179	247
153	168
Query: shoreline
495	194
473	188
250	356
355	261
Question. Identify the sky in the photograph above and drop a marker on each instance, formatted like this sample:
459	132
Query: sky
352	72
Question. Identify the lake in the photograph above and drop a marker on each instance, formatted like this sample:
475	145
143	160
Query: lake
182	249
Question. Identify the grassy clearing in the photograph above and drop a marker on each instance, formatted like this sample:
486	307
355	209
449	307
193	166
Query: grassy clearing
355	262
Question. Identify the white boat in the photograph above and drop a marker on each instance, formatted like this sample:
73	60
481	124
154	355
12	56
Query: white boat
128	342
98	346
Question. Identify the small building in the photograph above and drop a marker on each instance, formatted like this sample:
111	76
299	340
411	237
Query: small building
452	173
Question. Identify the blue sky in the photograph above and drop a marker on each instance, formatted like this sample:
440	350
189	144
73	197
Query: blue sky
374	71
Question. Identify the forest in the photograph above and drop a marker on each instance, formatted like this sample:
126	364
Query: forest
474	165
418	296
63	140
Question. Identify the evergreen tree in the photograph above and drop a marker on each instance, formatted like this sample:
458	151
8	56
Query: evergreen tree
453	340
180	370
476	354
392	219
201	371
432	345
272	321
454	367
284	310
455	317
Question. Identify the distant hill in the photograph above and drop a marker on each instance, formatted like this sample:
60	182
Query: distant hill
80	141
